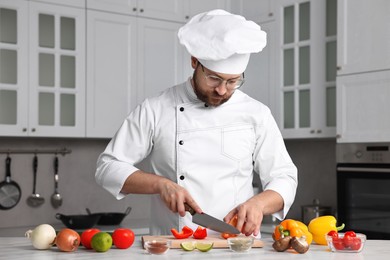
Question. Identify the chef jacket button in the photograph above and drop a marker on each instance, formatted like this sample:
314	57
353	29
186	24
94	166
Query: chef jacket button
181	142
182	109
182	177
206	105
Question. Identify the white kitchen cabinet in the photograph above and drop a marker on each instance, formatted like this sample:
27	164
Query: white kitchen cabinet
56	71
13	67
364	36
111	71
73	3
259	11
128	59
259	74
194	7
42	70
171	10
305	99
363	107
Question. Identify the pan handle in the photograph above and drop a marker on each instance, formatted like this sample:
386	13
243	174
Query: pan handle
127	211
8	169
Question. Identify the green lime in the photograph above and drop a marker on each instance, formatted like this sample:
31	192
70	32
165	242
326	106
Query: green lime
187	246
204	247
101	242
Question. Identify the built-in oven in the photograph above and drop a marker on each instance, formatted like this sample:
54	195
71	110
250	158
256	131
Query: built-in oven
363	188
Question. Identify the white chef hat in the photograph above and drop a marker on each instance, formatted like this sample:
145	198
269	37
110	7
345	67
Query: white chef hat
221	41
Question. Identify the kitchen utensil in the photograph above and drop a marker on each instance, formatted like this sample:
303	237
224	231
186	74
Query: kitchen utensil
210	222
314	211
56	199
10	192
110	218
78	221
35	200
218	241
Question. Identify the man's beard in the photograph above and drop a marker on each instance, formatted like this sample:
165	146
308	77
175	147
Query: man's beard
208	97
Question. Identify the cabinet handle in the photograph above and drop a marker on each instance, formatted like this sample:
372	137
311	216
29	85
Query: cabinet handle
141	10
338	136
312	131
24	129
338	67
270	14
134	9
187	17
33	129
319	131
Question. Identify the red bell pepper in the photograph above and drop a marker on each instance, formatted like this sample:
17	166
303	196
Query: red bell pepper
186	232
200	233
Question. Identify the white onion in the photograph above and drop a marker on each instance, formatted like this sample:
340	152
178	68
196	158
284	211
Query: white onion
42	237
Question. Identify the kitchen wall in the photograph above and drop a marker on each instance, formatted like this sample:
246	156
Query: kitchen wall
315	160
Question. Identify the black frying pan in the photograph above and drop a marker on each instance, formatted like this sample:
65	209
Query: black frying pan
10	192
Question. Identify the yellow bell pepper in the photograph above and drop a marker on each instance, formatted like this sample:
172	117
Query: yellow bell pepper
320	226
294	228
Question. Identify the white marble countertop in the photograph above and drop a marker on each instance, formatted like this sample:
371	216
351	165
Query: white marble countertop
20	248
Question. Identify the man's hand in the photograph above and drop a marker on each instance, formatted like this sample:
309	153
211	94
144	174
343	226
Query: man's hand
174	196
250	213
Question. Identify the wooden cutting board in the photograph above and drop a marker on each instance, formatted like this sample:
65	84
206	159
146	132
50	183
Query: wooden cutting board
218	241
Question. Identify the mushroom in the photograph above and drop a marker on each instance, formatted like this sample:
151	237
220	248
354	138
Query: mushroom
299	244
282	244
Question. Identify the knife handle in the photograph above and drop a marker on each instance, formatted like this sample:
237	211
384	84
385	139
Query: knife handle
189	209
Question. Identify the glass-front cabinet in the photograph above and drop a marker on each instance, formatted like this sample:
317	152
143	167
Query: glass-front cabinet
306	58
42	69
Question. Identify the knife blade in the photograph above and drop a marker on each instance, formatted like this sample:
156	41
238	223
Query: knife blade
211	222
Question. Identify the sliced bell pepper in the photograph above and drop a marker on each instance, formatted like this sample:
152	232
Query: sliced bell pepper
232	222
321	226
186	232
293	228
200	233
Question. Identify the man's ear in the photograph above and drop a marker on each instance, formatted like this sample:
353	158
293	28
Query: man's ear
194	62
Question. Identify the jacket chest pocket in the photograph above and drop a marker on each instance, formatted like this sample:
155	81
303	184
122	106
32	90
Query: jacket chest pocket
238	142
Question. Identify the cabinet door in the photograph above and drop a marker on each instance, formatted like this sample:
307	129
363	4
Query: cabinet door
74	3
13	67
363	107
306	68
364	36
171	10
57	71
256	10
259	75
160	57
111	71
195	7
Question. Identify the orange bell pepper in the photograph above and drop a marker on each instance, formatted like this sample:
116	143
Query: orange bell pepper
232	222
294	228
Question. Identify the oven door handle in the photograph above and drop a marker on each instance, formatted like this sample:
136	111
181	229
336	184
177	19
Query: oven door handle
362	169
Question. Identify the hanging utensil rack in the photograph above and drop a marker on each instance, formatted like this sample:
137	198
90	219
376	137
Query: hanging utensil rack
62	151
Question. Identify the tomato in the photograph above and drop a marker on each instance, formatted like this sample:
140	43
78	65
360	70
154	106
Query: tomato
333	233
200	233
123	238
186	232
338	243
356	243
87	235
349	238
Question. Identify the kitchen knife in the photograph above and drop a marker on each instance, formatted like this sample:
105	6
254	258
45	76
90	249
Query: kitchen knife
210	222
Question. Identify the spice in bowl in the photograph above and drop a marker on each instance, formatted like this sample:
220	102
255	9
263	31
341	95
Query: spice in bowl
157	247
240	244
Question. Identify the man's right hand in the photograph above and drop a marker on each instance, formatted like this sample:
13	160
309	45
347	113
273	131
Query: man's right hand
174	196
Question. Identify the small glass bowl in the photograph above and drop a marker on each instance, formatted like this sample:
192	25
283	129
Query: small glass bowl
240	244
157	247
338	245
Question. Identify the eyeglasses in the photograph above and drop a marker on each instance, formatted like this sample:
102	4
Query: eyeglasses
215	81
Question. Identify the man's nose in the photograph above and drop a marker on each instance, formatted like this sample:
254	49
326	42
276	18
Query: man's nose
221	89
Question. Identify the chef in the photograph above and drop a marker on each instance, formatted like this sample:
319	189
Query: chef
204	139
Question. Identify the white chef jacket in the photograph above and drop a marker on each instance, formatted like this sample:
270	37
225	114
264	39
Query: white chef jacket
210	151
